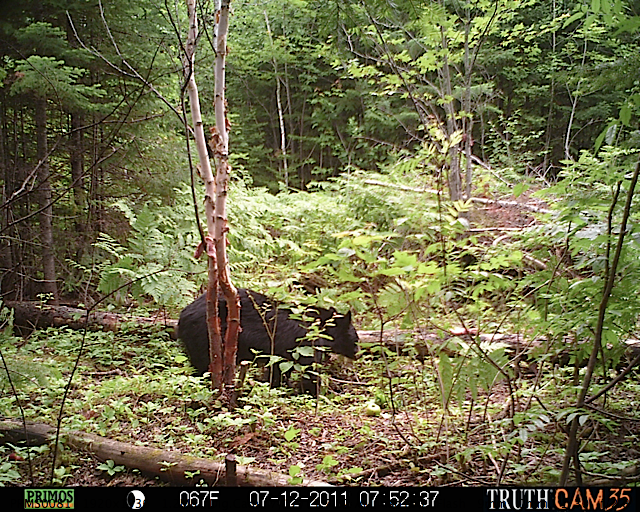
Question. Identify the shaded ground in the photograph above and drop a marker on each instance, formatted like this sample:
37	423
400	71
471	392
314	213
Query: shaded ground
336	442
333	440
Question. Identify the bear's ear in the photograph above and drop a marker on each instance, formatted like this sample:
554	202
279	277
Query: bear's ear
343	320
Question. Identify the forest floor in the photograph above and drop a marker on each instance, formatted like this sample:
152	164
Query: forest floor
412	442
341	445
401	449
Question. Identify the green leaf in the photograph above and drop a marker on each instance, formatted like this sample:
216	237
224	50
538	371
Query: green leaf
291	434
572	18
394	271
519	189
625	114
285	366
294	470
305	351
589	21
523	434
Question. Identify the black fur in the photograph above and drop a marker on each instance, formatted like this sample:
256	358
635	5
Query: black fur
260	317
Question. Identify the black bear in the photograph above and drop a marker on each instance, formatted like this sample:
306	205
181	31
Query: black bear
265	324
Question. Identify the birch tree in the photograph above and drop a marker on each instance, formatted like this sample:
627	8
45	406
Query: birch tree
222	352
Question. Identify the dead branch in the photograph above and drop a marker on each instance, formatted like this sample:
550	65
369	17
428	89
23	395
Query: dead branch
481	200
494	228
169	466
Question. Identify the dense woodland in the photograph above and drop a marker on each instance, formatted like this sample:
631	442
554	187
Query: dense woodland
461	176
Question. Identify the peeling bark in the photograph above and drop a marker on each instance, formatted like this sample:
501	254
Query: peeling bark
222	353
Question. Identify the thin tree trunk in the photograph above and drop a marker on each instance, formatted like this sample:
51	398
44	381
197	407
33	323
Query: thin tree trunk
301	168
222	354
454	178
466	108
574	106
213	325
7	277
283	138
46	216
14	286
550	115
76	160
291	143
223	169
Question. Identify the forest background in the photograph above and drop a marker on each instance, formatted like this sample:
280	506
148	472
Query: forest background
360	134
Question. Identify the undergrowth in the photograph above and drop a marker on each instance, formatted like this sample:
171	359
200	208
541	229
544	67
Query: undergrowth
472	353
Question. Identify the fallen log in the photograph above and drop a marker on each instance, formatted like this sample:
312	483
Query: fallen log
481	200
166	465
35	315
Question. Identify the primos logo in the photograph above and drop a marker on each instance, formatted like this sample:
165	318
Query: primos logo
48	498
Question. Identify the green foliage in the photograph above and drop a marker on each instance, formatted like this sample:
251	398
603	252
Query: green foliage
8	472
156	259
402	272
110	468
328	462
287	229
383	91
274	233
555	70
19	367
588	226
363	87
475	366
44	74
45	39
295	472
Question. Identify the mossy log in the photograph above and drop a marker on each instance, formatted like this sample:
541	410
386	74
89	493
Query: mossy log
169	466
